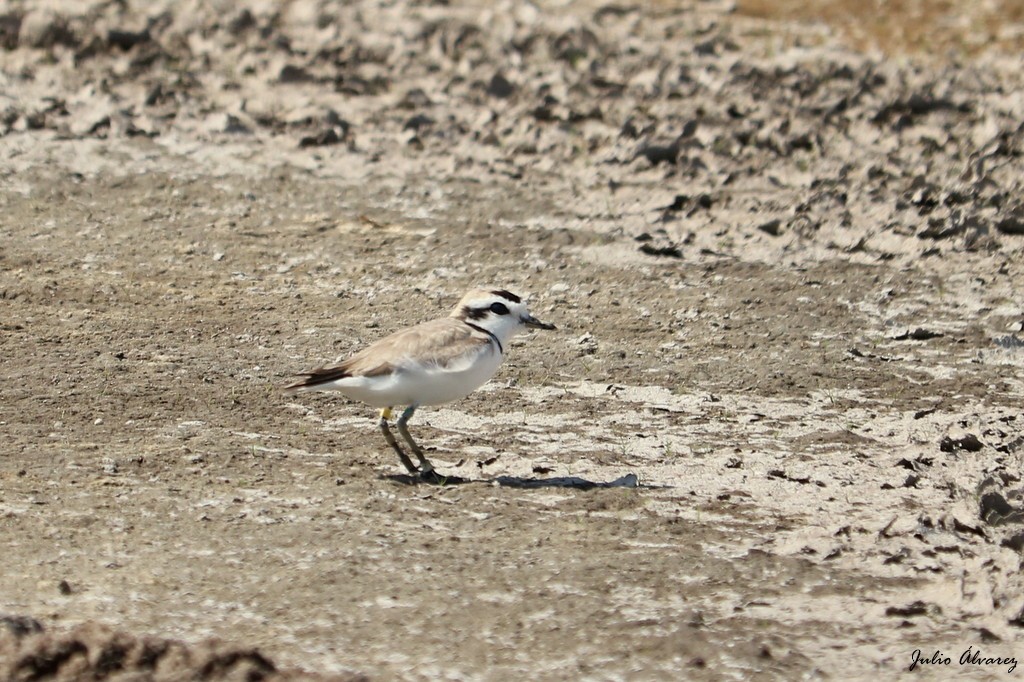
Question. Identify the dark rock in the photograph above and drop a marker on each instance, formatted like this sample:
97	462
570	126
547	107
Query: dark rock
293	74
415	98
941	228
996	511
1014	542
359	86
683	202
993	507
988	637
1009	342
772	227
592	114
10	25
157	95
126	40
955	198
961	527
8	116
241	22
919	334
670	251
917	608
417	122
95	652
500	87
897	558
1011	225
905	111
970	443
908	464
20	626
575	45
911	481
546	112
780	474
634	130
707	48
658	153
680	202
324	138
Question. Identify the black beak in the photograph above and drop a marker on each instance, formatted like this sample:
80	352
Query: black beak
533	322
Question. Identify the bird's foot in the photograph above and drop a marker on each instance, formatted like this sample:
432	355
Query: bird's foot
428	474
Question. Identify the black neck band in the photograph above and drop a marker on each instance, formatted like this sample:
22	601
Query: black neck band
495	338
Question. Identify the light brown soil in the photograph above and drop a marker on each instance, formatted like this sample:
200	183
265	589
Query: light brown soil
787	286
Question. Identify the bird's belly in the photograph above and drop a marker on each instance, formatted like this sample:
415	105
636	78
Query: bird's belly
436	386
421	385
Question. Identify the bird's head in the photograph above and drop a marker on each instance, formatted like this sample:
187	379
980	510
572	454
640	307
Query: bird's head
498	311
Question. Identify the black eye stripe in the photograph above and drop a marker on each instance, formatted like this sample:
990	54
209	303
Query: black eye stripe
474	313
499	308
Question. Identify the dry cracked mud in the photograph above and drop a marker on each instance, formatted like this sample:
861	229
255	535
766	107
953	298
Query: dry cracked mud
777	433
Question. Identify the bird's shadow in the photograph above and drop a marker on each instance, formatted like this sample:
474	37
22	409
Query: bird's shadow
433	478
573	482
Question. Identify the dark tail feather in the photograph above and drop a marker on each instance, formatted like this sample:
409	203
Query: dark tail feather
311	380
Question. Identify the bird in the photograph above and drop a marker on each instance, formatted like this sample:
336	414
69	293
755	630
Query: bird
431	363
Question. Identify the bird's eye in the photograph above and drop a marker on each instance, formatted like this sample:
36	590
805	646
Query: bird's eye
499	308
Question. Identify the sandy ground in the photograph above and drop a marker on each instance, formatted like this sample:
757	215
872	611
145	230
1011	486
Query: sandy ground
786	278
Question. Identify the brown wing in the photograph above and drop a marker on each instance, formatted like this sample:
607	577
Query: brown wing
437	342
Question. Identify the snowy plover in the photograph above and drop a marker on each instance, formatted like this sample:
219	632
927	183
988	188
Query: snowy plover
431	363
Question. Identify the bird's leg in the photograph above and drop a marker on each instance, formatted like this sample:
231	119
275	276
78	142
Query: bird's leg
385	414
425	465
